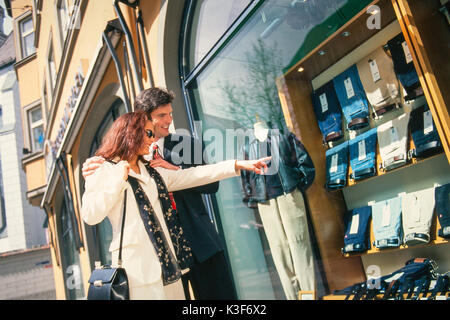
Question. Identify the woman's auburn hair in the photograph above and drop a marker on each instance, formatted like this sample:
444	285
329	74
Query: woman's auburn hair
125	137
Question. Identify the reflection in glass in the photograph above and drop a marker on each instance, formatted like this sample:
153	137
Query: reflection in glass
210	21
71	259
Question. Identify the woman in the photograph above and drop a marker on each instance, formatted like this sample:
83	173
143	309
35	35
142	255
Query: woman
154	250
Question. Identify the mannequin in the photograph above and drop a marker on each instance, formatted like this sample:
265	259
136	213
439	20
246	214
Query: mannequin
261	130
281	206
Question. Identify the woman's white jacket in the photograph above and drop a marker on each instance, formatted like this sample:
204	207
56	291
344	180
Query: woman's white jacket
103	197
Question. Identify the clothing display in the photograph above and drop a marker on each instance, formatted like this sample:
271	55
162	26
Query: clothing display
356	237
279	199
337	166
404	66
392	142
442	199
328	112
387	223
424	133
286	226
417	212
293	167
380	83
416	280
352	98
362	152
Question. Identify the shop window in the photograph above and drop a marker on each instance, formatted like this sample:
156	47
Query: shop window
103	230
235	90
210	21
26	33
36	128
70	257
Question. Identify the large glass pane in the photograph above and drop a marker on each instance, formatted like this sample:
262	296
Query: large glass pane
29	45
210	21
236	90
71	259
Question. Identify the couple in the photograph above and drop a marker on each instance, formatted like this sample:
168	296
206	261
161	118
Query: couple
156	251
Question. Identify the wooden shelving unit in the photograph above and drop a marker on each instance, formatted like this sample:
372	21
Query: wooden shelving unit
295	87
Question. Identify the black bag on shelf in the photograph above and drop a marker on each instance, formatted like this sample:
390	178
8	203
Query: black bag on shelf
417	273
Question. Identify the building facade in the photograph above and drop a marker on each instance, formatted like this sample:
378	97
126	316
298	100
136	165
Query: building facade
24	252
231	65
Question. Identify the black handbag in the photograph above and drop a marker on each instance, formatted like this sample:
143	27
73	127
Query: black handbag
110	282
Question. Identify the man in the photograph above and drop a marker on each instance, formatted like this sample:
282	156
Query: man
210	277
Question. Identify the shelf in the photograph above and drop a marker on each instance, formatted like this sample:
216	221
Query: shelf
381	173
434	240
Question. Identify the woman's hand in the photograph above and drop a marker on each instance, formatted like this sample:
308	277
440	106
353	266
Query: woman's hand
126	168
258	166
91	164
160	162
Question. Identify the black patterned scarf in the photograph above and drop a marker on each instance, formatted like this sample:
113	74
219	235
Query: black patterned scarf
171	266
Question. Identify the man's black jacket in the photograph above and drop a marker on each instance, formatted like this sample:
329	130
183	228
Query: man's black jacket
195	221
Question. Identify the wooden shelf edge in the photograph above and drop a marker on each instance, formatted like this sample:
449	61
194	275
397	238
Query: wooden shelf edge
375	250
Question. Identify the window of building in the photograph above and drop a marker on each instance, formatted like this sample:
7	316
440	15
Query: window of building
210	20
52	67
26	32
36	128
1	116
70	257
63	18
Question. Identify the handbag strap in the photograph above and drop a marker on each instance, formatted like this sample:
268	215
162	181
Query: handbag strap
119	262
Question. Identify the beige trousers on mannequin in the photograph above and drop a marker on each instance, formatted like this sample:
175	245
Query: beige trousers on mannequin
286	227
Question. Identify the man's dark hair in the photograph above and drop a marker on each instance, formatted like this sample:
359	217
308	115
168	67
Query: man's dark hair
151	99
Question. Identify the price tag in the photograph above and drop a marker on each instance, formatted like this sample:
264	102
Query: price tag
408	56
374	70
334	163
323	102
349	88
355	224
427	122
393	135
361	150
386	218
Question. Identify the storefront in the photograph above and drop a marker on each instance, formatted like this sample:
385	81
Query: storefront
239	66
249	62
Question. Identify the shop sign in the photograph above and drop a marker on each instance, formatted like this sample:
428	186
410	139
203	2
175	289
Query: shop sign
51	148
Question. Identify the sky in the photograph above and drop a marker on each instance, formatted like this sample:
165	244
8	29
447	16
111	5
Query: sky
8	21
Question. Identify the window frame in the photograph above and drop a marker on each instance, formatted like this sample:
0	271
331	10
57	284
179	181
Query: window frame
63	28
19	21
29	126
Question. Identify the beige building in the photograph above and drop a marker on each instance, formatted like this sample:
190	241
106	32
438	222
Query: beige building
82	62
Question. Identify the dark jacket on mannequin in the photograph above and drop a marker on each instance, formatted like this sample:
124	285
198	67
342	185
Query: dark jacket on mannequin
295	167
